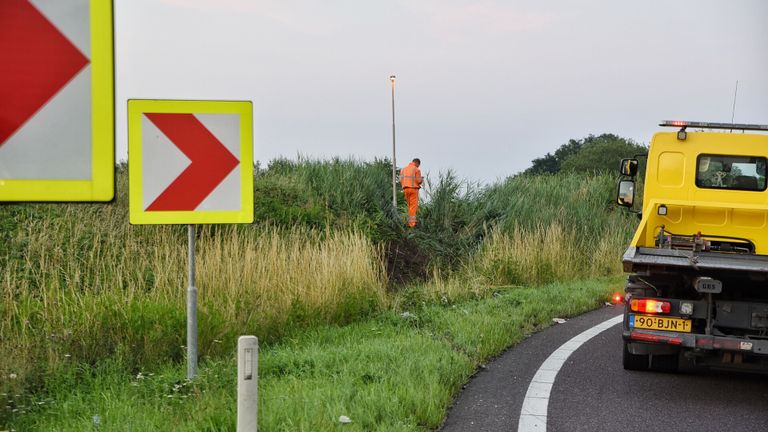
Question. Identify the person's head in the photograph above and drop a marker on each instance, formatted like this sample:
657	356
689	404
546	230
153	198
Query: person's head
417	161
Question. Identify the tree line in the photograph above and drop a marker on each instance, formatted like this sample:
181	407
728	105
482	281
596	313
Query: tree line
593	153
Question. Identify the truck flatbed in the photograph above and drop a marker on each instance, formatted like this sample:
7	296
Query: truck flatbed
640	258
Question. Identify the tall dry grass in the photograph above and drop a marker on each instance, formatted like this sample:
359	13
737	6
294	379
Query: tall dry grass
328	274
87	287
79	285
530	256
547	253
530	230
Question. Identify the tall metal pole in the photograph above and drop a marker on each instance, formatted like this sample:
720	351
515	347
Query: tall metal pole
394	158
191	308
733	110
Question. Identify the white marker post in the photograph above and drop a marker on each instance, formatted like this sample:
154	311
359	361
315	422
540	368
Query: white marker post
247	383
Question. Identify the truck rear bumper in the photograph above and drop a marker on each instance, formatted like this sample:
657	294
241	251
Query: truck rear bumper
698	341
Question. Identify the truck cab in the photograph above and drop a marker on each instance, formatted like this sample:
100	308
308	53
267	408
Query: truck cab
698	261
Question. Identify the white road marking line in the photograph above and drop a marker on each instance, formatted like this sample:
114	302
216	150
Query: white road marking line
533	415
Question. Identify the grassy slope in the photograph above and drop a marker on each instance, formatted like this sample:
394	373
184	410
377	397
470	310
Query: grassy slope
86	300
390	373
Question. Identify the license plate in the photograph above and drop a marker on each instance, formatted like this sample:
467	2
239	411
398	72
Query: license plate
659	323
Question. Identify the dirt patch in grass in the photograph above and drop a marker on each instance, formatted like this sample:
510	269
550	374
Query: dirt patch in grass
406	262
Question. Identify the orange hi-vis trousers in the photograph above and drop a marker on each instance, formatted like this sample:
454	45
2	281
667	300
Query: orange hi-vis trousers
412	198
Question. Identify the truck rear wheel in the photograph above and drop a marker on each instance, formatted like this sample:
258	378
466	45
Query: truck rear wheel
636	362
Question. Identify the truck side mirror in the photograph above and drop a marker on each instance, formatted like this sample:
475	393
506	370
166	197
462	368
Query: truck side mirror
626	193
628	167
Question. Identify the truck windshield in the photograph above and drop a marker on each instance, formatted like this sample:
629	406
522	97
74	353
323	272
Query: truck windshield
731	172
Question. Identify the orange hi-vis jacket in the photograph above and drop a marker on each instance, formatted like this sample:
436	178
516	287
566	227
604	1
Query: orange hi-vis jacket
410	177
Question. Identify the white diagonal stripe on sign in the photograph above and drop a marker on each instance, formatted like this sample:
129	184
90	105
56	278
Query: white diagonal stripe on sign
161	162
55	143
226	128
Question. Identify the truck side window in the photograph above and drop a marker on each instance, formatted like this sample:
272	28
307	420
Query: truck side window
731	172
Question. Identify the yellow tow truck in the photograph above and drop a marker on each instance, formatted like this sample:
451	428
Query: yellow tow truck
698	262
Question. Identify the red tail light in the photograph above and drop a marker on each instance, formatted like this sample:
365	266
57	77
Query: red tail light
650	306
645	337
617	298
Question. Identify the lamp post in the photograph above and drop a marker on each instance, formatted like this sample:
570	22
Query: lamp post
394	159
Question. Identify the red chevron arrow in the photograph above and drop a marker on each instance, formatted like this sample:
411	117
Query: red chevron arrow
36	61
211	162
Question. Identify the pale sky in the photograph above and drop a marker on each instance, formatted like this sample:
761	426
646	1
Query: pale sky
483	87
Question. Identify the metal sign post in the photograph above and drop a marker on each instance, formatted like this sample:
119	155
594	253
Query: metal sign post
394	157
191	308
190	162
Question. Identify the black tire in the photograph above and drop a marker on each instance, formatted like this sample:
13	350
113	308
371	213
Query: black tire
635	362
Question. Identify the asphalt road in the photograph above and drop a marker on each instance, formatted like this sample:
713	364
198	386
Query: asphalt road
592	392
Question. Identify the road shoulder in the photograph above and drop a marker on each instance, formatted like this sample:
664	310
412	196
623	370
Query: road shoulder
492	399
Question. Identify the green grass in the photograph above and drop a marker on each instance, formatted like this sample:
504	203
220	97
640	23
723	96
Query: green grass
89	298
344	193
389	373
456	216
84	294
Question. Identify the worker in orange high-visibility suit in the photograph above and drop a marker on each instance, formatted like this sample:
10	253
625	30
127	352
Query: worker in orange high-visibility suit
411	179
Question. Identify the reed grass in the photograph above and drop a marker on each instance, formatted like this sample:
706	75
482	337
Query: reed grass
345	193
527	257
527	230
79	285
546	254
84	292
